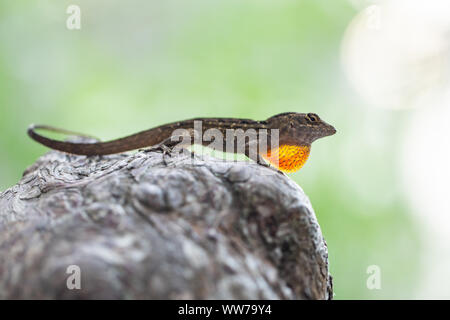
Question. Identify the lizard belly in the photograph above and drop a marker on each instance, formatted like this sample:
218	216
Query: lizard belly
288	158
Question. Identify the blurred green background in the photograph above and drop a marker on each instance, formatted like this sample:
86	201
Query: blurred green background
137	64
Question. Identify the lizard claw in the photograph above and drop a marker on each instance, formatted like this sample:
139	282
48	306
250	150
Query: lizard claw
166	151
266	165
263	163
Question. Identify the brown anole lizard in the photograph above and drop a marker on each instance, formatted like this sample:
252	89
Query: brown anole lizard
294	133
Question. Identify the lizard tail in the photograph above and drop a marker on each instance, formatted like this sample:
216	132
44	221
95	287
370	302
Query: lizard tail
138	140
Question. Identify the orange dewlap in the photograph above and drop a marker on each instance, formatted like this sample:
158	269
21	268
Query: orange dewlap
288	158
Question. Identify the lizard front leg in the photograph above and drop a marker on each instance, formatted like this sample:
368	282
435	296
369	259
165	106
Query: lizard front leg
252	151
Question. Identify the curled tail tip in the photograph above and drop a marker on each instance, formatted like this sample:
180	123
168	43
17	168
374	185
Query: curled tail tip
31	128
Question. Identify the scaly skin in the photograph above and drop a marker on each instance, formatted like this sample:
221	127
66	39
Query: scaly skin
297	131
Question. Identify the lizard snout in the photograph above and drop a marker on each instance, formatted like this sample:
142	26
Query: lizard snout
332	130
329	130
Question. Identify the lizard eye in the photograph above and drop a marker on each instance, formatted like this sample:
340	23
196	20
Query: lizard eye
312	117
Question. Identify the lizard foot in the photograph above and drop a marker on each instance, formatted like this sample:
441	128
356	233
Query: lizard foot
266	165
166	151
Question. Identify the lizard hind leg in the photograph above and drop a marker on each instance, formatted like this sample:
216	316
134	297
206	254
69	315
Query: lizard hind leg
168	145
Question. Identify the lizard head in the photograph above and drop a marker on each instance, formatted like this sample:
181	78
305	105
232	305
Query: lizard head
300	128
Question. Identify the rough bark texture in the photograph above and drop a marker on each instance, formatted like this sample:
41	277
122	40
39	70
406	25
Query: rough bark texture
139	227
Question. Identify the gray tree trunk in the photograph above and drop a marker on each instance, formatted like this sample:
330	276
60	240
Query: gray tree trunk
135	226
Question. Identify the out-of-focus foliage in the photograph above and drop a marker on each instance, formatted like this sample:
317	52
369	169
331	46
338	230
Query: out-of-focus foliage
138	64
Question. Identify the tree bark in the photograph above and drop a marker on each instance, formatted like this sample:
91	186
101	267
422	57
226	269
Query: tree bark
144	226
